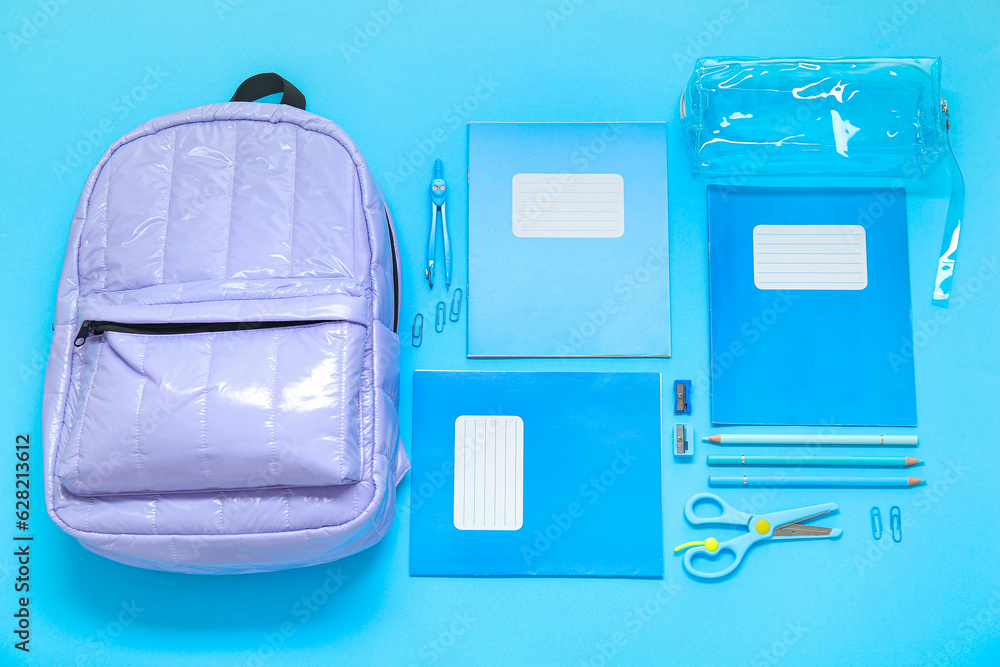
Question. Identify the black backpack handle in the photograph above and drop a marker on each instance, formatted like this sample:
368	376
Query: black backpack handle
269	83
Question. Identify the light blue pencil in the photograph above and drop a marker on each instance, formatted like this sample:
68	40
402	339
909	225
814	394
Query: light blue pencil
809	439
743	480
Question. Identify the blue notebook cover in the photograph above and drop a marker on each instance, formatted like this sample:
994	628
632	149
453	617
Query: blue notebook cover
518	473
568	240
810	307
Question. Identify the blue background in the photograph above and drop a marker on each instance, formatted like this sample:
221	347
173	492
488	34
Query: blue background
78	79
591	474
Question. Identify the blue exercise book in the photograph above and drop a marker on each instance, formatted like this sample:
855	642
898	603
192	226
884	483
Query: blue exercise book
519	473
810	307
568	240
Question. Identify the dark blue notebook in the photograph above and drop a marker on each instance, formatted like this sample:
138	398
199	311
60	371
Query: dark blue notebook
521	473
810	307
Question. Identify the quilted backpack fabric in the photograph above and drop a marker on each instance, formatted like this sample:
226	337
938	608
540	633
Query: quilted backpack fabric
222	388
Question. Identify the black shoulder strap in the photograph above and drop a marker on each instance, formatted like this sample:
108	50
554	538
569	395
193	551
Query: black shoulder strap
269	83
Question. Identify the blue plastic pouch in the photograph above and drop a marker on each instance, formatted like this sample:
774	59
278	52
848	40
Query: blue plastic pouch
747	117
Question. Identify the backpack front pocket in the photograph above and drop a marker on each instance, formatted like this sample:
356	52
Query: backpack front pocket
201	406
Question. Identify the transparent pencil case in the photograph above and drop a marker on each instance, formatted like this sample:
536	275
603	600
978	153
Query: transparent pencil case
751	117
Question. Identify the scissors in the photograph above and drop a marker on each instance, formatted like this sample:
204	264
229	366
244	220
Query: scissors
439	197
786	525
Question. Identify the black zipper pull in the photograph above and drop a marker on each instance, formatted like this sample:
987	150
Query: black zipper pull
81	335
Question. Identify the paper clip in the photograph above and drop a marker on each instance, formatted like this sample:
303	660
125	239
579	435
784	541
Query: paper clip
417	330
440	317
456	305
876	523
896	524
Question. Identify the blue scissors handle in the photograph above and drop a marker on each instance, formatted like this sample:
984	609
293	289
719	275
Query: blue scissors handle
727	516
738	547
759	527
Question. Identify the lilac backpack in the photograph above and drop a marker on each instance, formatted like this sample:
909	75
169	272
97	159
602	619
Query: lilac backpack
222	390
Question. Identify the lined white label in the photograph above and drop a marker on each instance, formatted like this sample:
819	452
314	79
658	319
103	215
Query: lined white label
489	472
568	205
810	257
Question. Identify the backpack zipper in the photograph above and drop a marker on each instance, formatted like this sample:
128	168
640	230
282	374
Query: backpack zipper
395	273
97	327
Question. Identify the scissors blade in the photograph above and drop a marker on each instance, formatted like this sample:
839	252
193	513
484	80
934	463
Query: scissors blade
801	530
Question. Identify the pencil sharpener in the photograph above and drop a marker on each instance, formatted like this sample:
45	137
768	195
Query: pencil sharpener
683	441
682	397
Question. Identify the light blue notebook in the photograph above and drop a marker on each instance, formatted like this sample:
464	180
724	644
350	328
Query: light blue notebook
810	307
523	473
568	240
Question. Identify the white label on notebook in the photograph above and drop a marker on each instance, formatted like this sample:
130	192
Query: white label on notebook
489	472
584	206
810	257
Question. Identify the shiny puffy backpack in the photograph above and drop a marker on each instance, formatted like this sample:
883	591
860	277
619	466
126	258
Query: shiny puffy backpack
223	384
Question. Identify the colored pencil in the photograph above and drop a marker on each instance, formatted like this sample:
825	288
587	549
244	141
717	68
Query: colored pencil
716	480
852	461
809	439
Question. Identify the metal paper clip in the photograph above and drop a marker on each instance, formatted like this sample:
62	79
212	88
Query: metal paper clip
440	317
896	524
417	331
876	523
456	305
